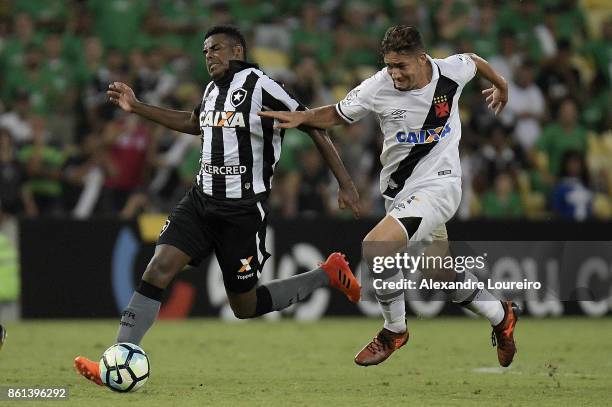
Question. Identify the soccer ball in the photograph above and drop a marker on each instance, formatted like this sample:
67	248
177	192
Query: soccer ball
124	367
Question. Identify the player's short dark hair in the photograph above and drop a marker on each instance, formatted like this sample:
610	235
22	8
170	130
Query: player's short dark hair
230	31
402	39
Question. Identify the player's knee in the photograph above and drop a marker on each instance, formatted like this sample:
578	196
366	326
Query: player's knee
438	273
241	312
369	245
160	271
244	305
371	237
380	243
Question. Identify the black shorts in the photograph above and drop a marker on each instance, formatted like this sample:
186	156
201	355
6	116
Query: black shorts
234	230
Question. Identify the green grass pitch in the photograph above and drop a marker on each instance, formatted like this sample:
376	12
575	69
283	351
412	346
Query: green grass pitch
448	362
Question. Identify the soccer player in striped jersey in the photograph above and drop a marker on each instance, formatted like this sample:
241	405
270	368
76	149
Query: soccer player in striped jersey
225	211
416	101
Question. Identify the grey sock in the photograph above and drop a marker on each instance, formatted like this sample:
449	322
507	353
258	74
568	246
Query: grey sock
465	296
293	289
137	318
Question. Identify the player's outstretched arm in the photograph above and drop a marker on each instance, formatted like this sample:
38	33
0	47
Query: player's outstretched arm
123	96
497	95
347	194
320	118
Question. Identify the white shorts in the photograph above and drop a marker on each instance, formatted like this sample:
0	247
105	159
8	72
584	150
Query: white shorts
424	210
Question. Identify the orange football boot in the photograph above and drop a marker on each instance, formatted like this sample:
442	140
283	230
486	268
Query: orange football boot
503	334
381	347
341	277
89	369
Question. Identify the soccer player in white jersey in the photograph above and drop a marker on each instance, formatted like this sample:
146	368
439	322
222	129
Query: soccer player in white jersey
415	99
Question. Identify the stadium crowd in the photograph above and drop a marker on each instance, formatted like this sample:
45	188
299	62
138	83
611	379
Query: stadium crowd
64	150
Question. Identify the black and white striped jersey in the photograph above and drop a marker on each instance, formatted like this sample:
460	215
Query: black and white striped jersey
240	149
421	127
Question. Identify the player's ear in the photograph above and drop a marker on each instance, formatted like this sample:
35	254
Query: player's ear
422	58
238	52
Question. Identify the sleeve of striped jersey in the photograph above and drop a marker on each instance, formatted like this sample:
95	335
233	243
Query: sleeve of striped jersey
461	68
358	102
275	97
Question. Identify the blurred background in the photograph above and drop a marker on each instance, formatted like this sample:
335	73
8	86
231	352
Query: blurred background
65	153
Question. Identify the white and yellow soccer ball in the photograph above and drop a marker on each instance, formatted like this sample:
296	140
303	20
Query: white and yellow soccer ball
124	367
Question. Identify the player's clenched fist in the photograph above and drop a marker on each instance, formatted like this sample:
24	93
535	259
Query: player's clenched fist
122	95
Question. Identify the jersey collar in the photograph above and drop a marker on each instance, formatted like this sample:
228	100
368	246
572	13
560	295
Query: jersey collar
435	75
235	66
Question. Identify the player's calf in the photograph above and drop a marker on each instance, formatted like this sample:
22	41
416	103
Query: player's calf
280	294
161	270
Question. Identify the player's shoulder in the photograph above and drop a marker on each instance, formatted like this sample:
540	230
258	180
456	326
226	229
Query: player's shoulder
273	85
278	91
372	86
265	79
381	78
208	87
453	61
456	66
262	75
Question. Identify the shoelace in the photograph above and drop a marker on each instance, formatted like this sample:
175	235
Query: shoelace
493	339
380	342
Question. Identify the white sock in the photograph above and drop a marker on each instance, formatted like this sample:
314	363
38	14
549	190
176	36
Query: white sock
486	305
392	304
394	313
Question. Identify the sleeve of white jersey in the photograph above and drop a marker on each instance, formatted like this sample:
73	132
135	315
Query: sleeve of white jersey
275	97
462	68
359	101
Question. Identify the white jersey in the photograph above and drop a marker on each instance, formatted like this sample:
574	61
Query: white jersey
421	128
